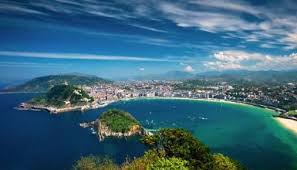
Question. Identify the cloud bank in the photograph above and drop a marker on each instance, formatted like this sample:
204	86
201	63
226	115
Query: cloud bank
271	25
233	60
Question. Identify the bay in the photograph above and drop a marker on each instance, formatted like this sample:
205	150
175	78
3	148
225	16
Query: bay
39	140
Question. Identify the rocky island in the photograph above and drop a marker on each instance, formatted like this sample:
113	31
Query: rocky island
60	98
116	123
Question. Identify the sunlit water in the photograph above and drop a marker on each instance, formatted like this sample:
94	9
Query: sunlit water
38	140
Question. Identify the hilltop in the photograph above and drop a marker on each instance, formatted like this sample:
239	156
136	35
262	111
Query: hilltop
43	84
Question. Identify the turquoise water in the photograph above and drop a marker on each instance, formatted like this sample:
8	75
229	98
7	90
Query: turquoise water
38	140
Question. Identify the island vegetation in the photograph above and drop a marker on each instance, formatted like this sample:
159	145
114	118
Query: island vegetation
118	120
115	123
169	149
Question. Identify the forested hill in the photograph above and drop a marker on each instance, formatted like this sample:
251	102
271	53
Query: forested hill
43	84
61	95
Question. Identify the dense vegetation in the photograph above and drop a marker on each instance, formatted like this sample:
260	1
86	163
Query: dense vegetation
60	95
43	84
170	149
118	120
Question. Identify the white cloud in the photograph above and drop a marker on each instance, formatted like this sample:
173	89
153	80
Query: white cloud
271	22
33	65
19	9
232	5
81	56
267	45
141	69
232	60
188	69
148	28
274	25
205	20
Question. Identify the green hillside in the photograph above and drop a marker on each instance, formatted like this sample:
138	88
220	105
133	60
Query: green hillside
43	84
61	95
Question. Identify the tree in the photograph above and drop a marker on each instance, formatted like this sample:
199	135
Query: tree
221	162
95	163
182	144
143	162
170	149
169	164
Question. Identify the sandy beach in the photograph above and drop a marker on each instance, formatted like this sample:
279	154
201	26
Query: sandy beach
288	123
193	99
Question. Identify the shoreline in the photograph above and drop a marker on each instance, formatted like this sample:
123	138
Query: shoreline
276	110
55	110
106	103
287	123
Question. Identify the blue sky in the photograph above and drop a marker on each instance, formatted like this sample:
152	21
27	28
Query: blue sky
124	38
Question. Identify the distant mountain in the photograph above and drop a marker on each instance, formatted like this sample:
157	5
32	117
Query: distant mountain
43	84
171	75
228	76
269	76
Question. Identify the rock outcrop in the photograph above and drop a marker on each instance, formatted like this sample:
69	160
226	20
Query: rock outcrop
104	131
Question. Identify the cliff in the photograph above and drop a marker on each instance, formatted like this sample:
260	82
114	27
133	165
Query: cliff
105	131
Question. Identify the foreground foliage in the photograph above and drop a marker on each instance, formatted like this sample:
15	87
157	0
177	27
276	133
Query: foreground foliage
169	163
170	149
181	143
94	163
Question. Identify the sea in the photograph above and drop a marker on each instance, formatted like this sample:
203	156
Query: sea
32	140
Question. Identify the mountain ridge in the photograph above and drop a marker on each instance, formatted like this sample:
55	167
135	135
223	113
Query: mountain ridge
44	83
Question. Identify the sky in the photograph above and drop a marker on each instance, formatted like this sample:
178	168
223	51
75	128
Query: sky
122	38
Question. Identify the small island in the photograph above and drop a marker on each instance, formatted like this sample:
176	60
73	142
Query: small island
116	123
60	98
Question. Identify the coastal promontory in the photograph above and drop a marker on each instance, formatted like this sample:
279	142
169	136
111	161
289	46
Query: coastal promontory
60	98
